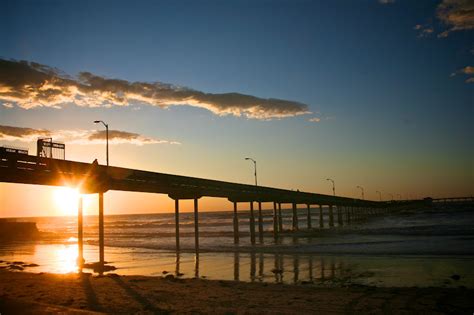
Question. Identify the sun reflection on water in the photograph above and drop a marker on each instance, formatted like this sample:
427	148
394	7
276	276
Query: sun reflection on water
64	258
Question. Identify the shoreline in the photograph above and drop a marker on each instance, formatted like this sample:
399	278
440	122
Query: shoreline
145	295
287	268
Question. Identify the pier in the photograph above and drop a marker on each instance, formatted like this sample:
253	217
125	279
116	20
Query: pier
17	167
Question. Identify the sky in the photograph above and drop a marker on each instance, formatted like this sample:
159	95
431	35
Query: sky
371	93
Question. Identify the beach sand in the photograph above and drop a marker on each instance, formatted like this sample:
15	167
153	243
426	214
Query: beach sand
42	293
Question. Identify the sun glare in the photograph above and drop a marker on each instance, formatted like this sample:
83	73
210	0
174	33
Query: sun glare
66	200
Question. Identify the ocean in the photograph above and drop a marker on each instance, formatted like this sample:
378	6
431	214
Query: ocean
423	247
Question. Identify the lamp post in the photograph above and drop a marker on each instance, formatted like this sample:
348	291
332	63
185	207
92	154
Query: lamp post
362	190
391	196
106	137
255	168
333	186
399	197
380	195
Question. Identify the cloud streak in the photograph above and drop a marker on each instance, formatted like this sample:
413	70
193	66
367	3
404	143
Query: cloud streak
10	133
424	30
386	1
467	71
29	85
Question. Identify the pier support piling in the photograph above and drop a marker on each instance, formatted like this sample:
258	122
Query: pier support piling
309	216
321	220
260	222
275	221
295	217
80	243
236	225
331	216
339	216
280	219
176	222
252	224
101	233
196	226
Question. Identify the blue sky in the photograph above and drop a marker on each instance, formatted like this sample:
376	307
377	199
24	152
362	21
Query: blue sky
392	117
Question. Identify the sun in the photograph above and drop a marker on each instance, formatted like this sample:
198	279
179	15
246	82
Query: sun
66	200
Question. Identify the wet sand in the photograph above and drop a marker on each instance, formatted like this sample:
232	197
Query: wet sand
23	292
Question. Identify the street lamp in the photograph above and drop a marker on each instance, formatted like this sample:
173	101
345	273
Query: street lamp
362	190
255	168
106	137
399	197
380	195
333	186
391	196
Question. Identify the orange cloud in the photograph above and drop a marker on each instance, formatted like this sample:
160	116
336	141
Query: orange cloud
30	85
458	15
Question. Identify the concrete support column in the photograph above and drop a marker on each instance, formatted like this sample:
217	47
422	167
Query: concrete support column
309	216
280	219
196	225
260	222
101	233
331	217
252	224
321	220
236	225
295	218
176	222
348	215
275	220
339	216
80	242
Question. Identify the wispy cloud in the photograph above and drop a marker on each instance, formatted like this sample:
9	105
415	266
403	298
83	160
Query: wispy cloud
468	71
424	30
10	133
29	85
458	15
386	1
314	119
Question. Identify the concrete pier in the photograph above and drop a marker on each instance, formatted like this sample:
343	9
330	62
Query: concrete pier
236	224
252	224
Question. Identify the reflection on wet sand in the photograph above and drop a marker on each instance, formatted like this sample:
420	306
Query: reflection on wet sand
298	268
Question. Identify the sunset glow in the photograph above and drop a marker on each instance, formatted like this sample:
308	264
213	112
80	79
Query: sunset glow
66	200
